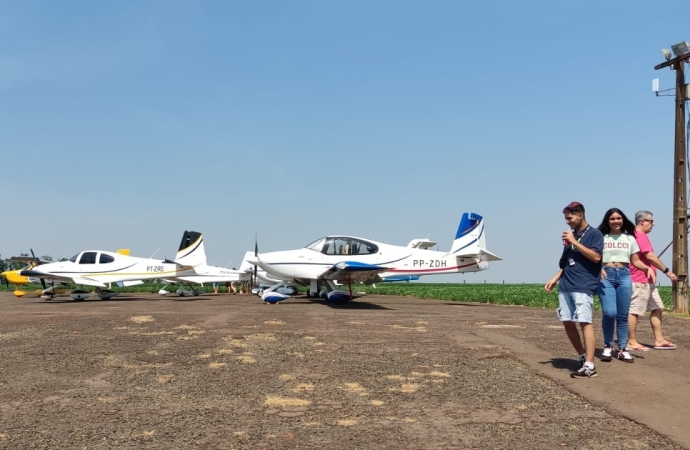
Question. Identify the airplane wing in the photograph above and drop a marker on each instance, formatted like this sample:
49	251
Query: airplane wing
354	271
88	282
77	280
45	276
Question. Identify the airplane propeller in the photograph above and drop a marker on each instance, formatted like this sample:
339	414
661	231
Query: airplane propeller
7	283
38	263
256	255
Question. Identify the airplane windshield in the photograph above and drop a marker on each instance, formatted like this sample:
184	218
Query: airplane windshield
316	245
343	245
74	258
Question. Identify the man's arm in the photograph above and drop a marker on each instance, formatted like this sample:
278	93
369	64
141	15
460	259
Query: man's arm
593	254
552	282
589	253
656	262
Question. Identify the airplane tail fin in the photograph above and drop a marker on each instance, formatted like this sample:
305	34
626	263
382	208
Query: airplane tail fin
191	251
245	266
470	240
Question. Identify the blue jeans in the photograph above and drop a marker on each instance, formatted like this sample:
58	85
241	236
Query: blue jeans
614	293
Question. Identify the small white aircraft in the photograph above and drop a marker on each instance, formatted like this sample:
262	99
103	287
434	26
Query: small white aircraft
349	259
205	275
97	268
268	283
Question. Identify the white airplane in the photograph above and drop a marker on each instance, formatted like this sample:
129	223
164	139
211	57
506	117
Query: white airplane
349	259
205	275
96	268
264	282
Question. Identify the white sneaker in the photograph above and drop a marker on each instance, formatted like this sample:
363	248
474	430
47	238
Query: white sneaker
607	354
624	356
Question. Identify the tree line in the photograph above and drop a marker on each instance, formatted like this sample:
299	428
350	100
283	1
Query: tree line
7	264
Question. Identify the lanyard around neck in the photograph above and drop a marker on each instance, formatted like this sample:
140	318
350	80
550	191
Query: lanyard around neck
587	228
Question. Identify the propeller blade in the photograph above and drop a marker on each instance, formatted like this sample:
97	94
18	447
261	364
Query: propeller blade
7	283
43	283
256	253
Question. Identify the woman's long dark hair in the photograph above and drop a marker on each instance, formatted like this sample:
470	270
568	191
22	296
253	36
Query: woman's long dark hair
627	228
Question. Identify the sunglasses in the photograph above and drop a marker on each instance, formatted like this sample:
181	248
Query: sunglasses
649	220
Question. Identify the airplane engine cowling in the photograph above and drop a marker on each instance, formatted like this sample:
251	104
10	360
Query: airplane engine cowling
338	296
274	297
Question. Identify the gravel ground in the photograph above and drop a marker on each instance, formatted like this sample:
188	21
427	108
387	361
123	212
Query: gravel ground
230	372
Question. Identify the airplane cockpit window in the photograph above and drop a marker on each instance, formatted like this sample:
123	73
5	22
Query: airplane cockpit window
105	259
335	246
360	247
348	246
74	258
88	258
316	245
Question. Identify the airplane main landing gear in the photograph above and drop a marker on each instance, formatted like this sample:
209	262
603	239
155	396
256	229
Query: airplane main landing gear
79	295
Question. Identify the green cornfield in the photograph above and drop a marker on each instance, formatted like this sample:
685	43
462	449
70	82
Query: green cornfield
532	295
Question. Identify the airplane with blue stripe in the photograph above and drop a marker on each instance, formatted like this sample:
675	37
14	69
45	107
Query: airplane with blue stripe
350	259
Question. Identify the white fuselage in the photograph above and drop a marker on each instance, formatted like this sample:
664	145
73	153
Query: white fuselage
109	267
308	264
212	274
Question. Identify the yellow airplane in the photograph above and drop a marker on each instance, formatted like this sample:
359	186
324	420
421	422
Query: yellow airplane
14	277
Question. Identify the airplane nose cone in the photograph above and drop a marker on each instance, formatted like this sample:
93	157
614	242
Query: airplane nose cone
253	261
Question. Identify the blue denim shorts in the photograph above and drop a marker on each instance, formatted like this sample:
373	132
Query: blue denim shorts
575	307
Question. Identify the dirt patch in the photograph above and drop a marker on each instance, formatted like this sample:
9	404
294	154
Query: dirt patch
141	319
286	401
303	387
347	423
7	336
161	392
274	322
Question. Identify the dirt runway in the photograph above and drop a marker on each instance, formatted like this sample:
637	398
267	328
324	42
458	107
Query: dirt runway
146	371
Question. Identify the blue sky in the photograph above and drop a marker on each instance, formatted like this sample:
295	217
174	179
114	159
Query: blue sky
122	124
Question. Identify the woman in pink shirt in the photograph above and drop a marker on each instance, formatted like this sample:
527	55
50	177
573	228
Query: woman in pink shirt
615	288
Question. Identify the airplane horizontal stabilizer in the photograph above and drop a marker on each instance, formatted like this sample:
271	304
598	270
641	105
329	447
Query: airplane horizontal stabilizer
488	256
352	270
170	261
